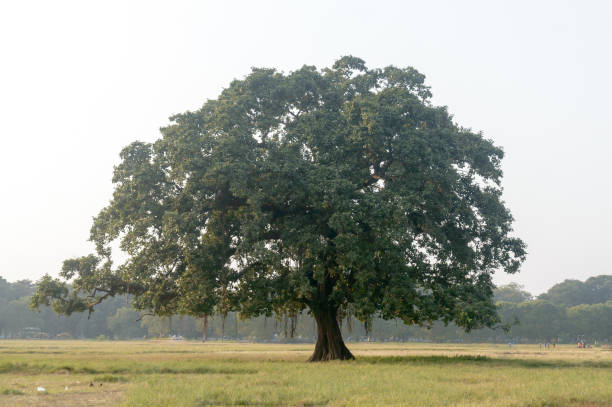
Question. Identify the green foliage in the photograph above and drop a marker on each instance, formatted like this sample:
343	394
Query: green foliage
52	288
573	292
15	316
339	191
541	318
511	293
123	324
591	320
156	326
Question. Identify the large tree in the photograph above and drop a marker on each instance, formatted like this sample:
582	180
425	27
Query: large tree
340	191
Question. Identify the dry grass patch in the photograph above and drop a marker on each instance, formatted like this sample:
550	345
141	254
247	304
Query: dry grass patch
173	373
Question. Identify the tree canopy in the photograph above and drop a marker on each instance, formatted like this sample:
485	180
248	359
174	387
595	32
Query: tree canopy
511	292
594	290
340	191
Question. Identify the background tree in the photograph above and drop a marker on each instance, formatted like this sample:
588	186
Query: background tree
122	324
156	326
540	320
595	290
15	316
599	289
340	191
512	292
589	320
568	293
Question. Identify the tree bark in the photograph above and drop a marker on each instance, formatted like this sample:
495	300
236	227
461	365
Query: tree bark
330	345
204	327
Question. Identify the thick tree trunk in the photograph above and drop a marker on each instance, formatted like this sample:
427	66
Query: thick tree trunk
330	345
204	327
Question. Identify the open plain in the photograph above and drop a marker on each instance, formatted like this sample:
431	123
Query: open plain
182	373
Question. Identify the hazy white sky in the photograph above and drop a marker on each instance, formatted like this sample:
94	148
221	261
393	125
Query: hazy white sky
79	80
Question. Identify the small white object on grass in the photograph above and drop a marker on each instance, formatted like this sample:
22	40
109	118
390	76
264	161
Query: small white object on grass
66	388
40	388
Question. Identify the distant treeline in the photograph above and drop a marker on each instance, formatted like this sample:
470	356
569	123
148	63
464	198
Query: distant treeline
568	311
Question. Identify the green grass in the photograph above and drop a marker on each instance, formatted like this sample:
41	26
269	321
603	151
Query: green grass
109	379
11	392
166	373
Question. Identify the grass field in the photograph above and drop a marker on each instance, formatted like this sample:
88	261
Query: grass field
172	373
